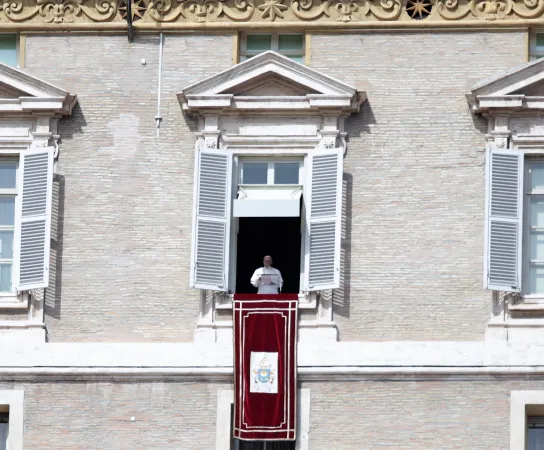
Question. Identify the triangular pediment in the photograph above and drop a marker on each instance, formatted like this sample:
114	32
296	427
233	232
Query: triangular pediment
284	83
9	92
521	87
20	91
270	85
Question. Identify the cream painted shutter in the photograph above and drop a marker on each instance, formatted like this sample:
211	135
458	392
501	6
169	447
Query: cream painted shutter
34	214
211	220
323	204
504	212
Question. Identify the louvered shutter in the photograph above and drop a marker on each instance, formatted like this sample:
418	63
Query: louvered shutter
36	168
211	223
323	204
504	212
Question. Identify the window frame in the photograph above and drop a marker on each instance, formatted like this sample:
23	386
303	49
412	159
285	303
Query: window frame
239	159
271	161
522	405
537	425
2	415
528	193
14	401
18	64
12	299
245	54
534	52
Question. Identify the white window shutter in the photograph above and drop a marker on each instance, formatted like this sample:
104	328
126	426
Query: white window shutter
504	213
323	204
34	213
211	220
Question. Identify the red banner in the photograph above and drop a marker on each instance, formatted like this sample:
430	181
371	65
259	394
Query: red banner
265	383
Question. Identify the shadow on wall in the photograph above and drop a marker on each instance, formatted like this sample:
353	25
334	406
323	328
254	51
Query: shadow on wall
67	128
480	123
356	126
341	297
71	125
191	121
52	304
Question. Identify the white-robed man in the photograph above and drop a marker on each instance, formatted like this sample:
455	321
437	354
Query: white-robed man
266	278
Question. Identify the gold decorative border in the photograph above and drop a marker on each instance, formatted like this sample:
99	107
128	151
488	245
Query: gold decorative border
239	14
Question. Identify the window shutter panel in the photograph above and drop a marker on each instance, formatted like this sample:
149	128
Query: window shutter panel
36	167
504	213
323	204
211	221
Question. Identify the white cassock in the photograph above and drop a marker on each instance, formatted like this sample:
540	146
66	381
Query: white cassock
267	288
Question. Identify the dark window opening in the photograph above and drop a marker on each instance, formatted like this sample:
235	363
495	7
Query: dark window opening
279	237
535	432
269	445
238	444
4	430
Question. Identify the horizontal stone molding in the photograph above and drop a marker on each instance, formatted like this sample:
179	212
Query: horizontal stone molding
319	360
241	14
225	374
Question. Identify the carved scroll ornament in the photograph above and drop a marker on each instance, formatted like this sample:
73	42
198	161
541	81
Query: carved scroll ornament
490	9
340	10
66	13
59	11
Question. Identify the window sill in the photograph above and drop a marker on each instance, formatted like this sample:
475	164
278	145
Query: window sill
528	305
304	302
14	301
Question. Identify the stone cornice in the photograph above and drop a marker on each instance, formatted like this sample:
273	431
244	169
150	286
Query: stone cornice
316	360
505	93
30	94
318	93
242	14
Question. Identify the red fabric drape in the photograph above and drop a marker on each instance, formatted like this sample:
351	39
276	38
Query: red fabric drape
265	325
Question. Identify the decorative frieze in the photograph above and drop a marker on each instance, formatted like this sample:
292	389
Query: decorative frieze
184	14
341	10
59	11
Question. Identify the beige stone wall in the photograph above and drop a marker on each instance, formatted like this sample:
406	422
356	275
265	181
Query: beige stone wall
414	178
406	415
79	415
357	415
124	196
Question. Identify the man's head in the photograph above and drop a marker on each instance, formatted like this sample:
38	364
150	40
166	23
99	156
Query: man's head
267	261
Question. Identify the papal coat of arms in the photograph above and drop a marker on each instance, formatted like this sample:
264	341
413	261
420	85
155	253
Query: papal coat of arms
263	372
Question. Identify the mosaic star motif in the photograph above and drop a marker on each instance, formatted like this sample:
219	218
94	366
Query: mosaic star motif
418	9
272	8
138	9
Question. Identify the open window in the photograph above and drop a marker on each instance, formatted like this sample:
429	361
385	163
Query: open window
268	216
289	208
515	223
25	220
283	125
30	114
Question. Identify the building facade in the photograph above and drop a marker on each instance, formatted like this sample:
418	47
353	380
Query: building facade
388	155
